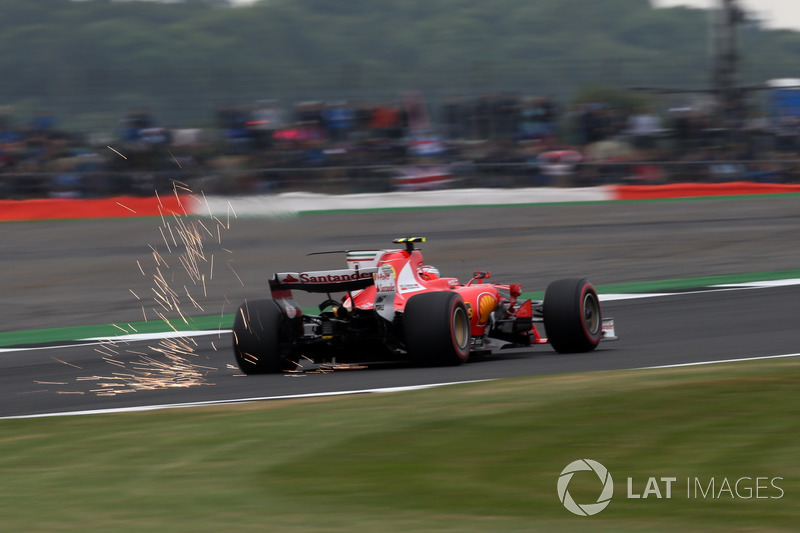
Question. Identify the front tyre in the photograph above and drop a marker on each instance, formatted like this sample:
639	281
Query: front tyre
257	336
436	329
573	318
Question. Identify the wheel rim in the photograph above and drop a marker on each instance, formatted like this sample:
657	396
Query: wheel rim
461	332
591	313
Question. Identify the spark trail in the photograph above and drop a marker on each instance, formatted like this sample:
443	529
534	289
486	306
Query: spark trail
182	262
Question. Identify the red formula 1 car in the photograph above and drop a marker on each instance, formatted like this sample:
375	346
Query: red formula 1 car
394	307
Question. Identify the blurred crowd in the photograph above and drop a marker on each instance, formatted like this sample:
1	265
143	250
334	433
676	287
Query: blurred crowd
492	140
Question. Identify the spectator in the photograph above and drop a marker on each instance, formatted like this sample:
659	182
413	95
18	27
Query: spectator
644	127
386	121
487	136
338	121
537	119
266	119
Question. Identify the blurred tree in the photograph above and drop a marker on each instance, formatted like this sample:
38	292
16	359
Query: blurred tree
95	56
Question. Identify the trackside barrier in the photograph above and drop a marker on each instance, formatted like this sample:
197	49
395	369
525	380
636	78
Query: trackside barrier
699	190
302	202
121	206
287	204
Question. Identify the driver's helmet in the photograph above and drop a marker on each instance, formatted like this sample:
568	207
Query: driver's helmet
428	272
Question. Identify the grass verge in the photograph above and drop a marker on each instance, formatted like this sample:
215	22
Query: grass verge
476	457
71	333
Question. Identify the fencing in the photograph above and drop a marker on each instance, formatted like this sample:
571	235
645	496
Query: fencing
386	178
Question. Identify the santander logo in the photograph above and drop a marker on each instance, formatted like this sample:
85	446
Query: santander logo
323	277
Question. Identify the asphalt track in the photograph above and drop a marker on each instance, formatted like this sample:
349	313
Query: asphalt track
83	272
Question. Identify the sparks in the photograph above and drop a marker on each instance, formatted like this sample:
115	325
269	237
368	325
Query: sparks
65	363
169	227
125	331
205	228
169	363
126	207
235	274
116	152
210	214
181	185
244	319
178	198
165	240
194	302
176	161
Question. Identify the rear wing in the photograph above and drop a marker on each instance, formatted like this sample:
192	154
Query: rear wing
322	281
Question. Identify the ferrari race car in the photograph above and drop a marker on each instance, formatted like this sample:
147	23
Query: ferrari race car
392	306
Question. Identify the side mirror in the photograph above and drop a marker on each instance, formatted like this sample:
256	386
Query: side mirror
479	275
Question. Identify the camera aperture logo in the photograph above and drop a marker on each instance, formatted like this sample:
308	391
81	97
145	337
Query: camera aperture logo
586	509
661	487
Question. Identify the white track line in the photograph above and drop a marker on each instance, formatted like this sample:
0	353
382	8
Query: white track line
59	347
93	341
724	287
639	295
350	392
244	400
133	337
700	363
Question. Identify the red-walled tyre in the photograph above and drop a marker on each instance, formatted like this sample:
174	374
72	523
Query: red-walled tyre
436	329
573	318
258	331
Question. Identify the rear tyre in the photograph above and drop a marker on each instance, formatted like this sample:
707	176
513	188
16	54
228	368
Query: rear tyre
436	329
257	336
573	318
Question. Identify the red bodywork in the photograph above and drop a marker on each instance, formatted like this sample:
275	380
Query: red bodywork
481	299
381	282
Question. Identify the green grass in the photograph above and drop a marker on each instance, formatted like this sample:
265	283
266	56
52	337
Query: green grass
476	457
